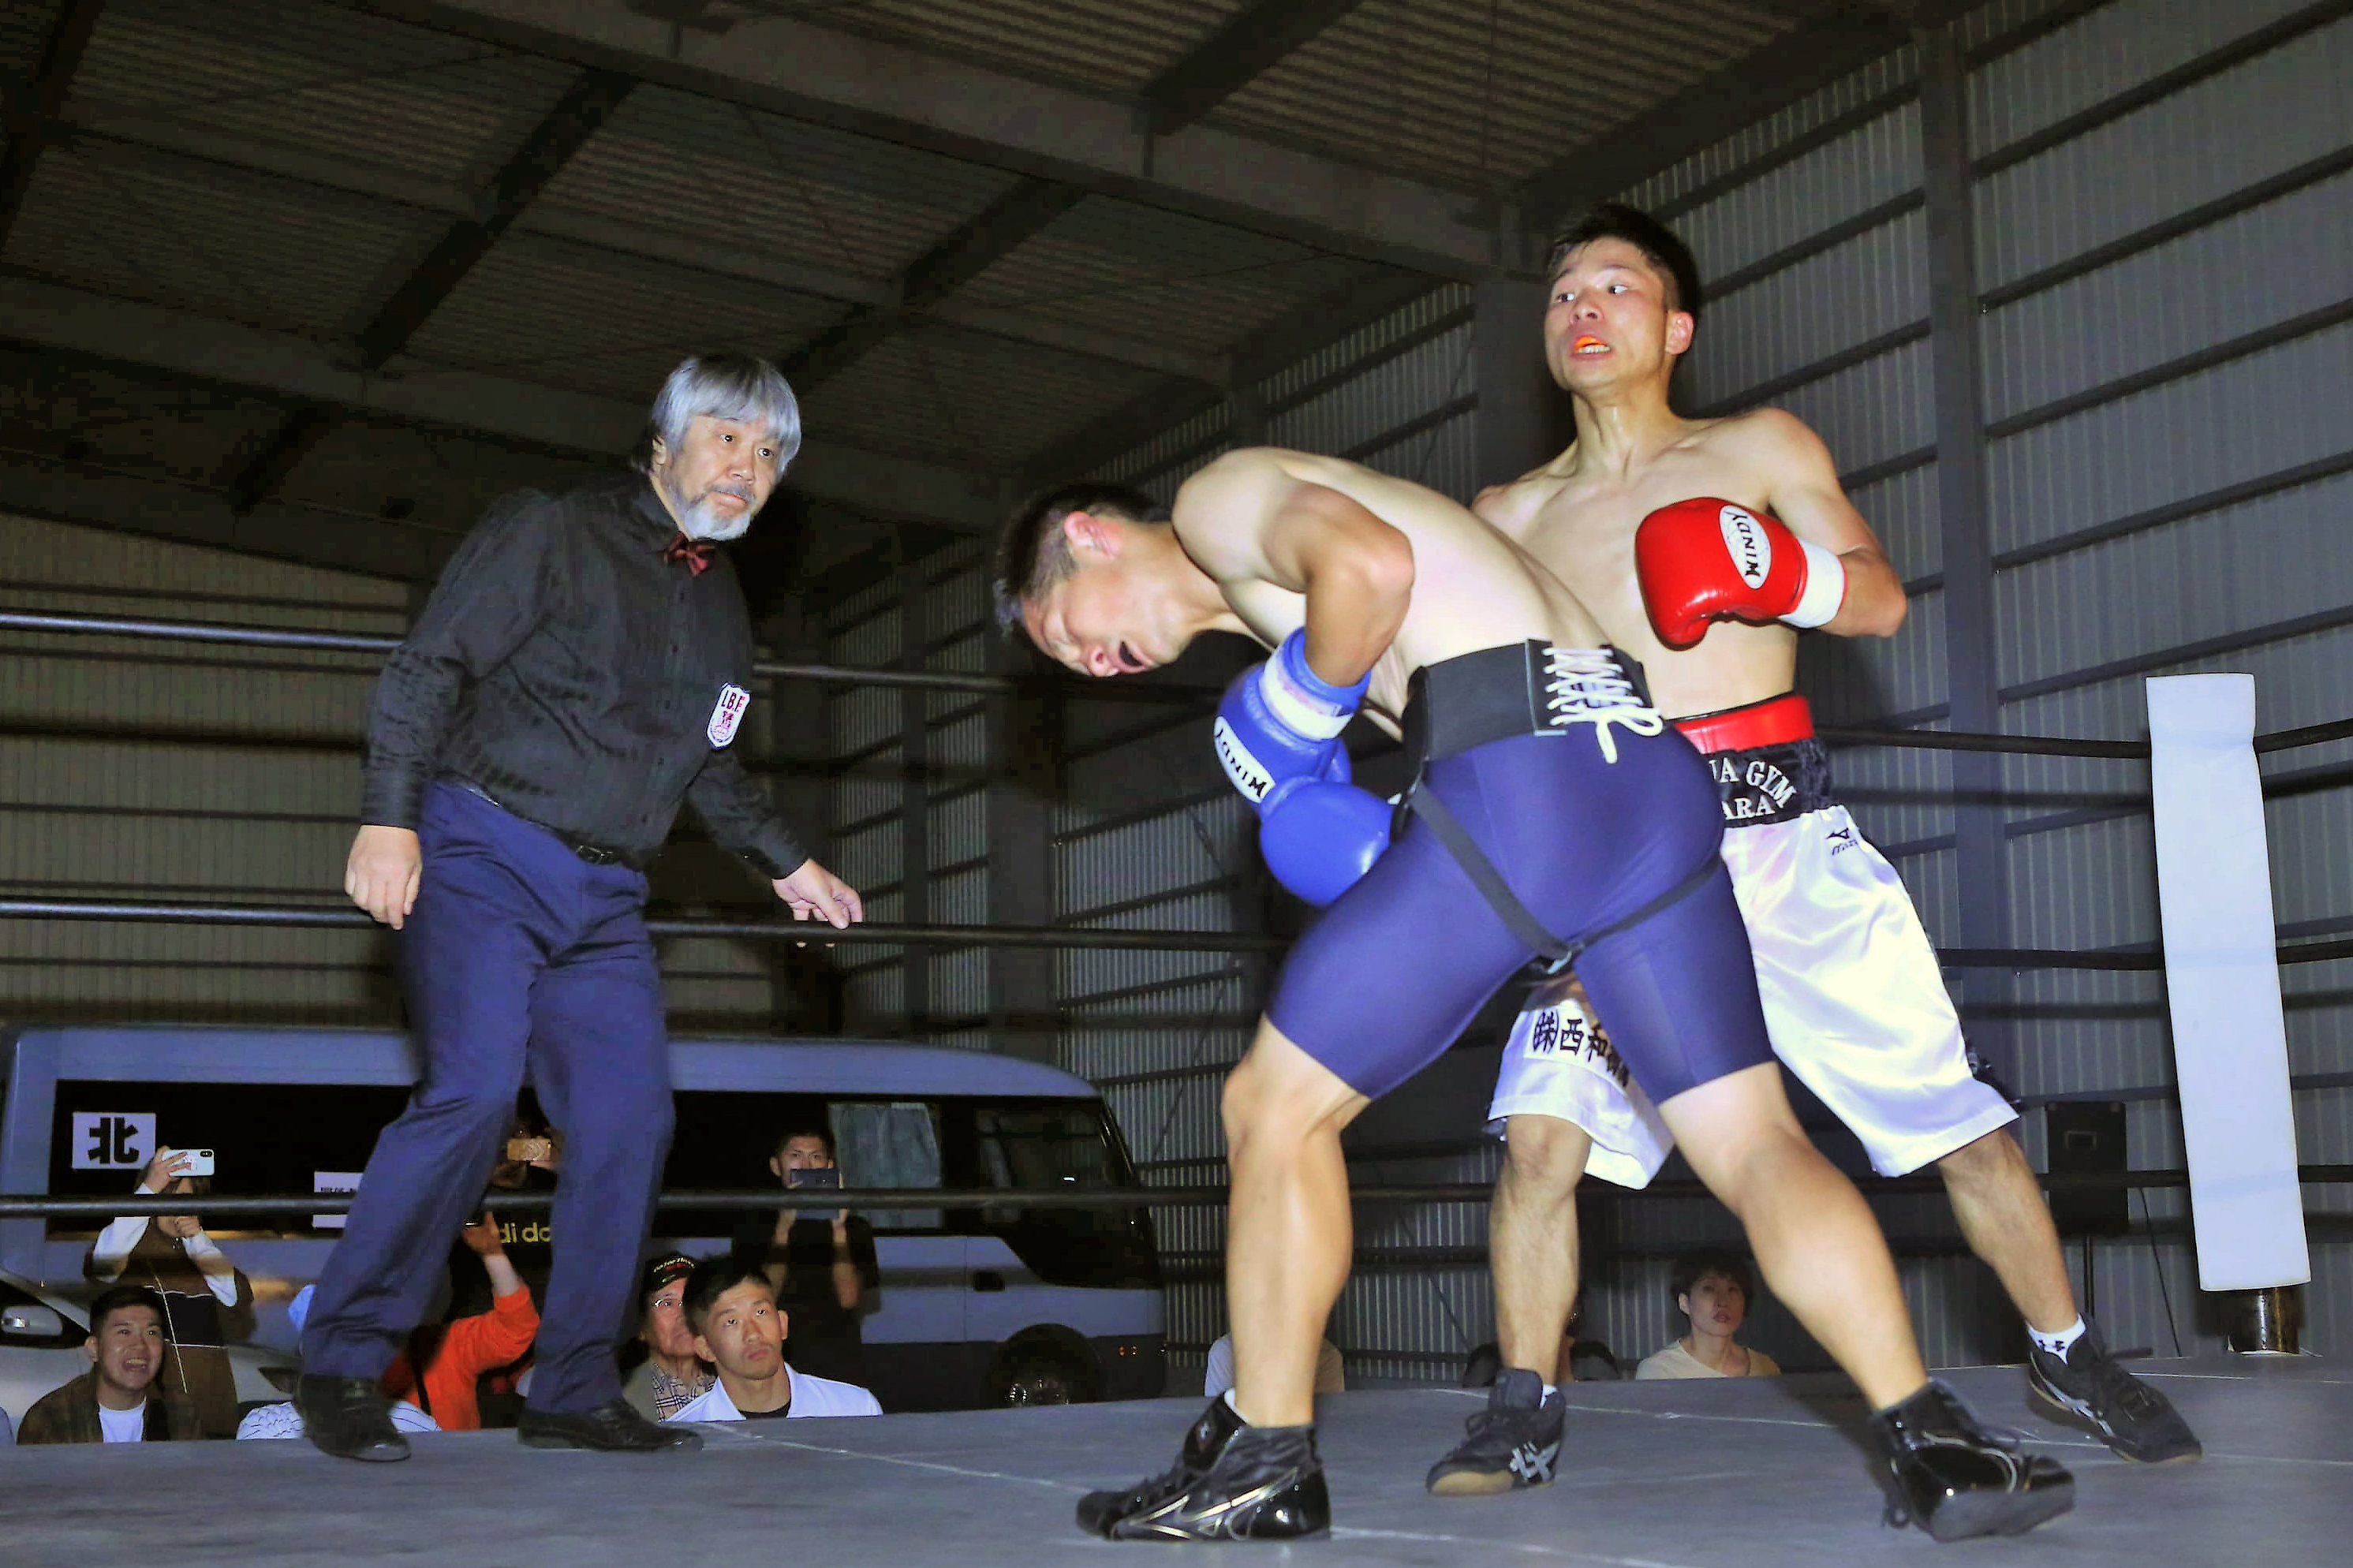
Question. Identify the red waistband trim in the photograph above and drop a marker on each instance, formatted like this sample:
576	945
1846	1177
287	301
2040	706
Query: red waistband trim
1776	722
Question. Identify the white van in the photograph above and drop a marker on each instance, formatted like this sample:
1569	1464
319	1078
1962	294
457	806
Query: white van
975	1307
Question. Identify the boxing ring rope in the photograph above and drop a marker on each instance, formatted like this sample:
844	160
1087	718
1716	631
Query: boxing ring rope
41	1206
227	633
223	632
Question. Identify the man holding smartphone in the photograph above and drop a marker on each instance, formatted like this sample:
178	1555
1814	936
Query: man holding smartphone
821	1265
205	1302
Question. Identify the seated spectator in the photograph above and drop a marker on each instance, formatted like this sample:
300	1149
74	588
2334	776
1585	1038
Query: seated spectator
454	1355
1580	1360
740	1330
1711	1289
207	1301
268	1421
821	1265
672	1376
1331	1374
118	1399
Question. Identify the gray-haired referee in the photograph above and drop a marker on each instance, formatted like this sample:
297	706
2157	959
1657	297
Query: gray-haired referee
582	668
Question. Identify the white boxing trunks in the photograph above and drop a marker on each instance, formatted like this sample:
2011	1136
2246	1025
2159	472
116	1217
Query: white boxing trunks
1853	998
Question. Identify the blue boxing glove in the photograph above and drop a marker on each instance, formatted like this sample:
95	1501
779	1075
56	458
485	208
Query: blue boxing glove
1319	838
1279	725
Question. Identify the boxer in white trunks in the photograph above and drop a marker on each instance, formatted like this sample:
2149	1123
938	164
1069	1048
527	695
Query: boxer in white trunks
1703	546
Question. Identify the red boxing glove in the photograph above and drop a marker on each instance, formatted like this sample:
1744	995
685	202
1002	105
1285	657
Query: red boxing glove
1706	560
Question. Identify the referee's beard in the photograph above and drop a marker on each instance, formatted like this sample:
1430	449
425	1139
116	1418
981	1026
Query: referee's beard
701	520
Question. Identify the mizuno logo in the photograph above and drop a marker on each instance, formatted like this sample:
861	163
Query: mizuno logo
1229	1517
1247	773
1745	541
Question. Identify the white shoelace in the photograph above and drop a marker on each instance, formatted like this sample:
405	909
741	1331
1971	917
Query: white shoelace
1586	686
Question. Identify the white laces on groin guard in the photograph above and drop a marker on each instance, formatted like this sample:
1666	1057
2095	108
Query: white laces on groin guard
1587	686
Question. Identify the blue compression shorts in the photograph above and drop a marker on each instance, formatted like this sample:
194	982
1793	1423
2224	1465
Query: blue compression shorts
1388	978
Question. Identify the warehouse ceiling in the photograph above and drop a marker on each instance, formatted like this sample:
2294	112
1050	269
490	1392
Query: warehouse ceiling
316	279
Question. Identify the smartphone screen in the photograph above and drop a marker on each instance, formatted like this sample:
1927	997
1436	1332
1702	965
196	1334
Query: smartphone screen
813	1177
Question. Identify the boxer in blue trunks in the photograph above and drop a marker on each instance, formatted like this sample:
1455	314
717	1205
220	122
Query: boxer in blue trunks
1555	816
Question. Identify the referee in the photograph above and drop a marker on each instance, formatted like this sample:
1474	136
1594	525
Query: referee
582	668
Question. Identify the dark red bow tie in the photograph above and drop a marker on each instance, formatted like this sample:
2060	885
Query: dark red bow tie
695	553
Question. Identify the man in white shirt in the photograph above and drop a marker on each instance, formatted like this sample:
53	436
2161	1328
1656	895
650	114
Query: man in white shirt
739	1328
116	1401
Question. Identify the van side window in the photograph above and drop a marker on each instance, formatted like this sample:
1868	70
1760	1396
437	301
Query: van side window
269	1138
890	1143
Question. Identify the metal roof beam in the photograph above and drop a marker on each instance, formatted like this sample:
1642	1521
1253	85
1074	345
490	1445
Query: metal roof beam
1842	39
199	152
30	112
410	392
1288	339
1253	41
564	131
975	246
560	134
62	491
958	110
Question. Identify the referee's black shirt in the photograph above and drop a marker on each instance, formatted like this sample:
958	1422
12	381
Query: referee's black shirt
580	679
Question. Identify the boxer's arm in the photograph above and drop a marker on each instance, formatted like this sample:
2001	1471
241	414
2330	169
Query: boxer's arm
1802	489
1245	518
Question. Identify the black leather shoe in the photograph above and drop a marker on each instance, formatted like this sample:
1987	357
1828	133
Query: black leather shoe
348	1417
612	1429
1265	1483
1955	1479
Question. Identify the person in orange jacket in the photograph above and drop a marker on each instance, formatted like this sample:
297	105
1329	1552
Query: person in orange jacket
456	1354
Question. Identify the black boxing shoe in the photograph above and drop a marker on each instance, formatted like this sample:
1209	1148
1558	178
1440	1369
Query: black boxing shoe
1955	1479
1261	1483
2130	1416
1513	1443
348	1417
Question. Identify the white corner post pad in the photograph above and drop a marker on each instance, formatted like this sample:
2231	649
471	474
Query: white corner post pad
1825	589
2221	981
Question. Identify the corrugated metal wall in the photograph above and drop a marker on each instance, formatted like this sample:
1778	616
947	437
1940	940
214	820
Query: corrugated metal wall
212	773
2164	315
910	805
171	770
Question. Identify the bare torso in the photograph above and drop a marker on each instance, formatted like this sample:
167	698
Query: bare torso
1581	523
1472	588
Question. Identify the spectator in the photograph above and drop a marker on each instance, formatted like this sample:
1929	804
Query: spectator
739	1328
820	1266
672	1376
117	1400
1580	1361
455	1355
207	1301
1331	1372
269	1421
1711	1288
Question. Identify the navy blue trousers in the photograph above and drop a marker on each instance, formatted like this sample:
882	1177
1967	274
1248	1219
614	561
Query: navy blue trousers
517	953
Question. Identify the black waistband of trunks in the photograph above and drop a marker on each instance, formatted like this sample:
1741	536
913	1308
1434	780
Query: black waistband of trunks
1490	695
1772	784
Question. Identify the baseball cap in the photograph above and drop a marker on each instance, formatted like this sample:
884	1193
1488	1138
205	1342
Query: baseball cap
663	1270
